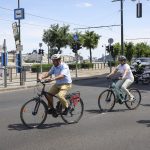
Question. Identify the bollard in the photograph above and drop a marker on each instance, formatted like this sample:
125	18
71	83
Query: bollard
10	74
37	75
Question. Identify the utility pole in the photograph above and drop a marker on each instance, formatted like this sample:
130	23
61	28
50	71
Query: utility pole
122	40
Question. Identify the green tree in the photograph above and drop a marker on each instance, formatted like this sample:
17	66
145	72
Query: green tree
140	49
129	50
116	50
90	41
56	37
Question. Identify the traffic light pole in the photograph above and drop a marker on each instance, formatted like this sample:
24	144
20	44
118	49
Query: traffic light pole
76	55
110	66
5	62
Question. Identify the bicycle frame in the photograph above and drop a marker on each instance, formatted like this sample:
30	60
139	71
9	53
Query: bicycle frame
119	94
74	97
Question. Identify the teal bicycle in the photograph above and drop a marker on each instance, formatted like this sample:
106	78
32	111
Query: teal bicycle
109	97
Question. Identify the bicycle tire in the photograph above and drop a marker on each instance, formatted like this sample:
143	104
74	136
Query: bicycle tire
130	105
27	112
73	108
109	93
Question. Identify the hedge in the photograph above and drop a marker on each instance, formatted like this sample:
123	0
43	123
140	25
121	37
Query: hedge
37	67
46	67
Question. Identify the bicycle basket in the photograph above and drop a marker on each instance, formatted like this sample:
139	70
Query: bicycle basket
75	98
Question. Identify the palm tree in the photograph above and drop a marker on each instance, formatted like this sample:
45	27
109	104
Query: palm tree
90	41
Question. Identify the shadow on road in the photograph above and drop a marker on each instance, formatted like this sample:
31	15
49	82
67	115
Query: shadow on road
18	127
21	127
97	111
53	125
146	105
147	122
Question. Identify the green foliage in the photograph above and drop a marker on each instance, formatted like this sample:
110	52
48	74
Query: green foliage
86	65
129	51
116	50
112	63
37	67
56	37
73	66
81	66
90	41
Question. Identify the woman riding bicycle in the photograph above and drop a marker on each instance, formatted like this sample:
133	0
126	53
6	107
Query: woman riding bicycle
126	78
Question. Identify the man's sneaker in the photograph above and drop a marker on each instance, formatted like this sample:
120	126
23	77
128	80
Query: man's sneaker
65	112
131	99
51	110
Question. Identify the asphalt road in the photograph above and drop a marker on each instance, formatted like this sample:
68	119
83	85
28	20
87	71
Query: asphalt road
120	129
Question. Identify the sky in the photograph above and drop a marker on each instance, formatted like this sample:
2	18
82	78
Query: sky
39	15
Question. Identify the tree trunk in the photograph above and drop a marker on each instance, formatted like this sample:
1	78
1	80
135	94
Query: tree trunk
48	54
90	55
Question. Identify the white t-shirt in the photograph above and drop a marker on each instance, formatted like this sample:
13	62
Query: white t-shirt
121	69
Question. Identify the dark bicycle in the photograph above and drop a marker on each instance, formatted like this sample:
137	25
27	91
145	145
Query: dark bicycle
112	95
34	112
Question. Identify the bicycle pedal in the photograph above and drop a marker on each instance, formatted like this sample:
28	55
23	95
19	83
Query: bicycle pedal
55	115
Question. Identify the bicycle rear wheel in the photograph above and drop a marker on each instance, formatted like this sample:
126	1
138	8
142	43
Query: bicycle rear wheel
106	100
75	112
136	101
33	113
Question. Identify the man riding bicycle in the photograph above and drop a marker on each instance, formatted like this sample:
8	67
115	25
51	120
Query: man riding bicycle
126	78
62	85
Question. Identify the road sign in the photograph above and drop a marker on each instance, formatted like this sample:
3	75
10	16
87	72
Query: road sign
110	40
75	37
19	13
15	32
40	44
1	49
19	47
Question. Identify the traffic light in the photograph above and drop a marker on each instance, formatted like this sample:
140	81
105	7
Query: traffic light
75	47
107	49
111	50
41	51
139	10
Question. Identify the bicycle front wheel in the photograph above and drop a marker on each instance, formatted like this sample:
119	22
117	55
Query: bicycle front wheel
136	101
106	100
75	112
33	113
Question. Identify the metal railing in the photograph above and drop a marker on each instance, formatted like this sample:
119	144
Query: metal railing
10	77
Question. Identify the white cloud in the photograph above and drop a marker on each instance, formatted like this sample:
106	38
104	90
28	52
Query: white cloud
86	4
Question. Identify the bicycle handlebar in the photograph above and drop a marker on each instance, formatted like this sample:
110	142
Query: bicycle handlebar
43	81
113	79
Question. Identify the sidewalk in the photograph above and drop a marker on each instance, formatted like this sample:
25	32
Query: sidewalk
31	78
